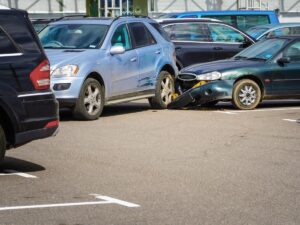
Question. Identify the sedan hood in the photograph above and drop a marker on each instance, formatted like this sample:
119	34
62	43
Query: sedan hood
222	65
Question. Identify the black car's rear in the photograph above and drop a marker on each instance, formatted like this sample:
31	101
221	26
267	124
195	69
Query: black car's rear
28	109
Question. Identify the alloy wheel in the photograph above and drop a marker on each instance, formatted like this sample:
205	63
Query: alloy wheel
92	99
247	95
167	90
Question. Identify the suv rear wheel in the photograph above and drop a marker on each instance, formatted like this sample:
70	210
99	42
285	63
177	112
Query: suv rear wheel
2	143
246	95
90	103
164	90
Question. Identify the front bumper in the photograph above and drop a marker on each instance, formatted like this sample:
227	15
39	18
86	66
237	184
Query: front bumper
212	91
66	89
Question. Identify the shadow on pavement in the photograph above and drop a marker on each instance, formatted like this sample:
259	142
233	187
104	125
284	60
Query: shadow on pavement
10	163
113	110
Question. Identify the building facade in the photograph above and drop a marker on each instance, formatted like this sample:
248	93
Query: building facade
289	9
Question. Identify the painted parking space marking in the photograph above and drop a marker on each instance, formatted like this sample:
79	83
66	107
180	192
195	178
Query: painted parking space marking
236	112
102	200
292	120
17	173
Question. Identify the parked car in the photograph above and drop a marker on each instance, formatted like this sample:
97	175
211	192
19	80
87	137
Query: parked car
269	69
204	40
97	62
28	109
242	19
274	30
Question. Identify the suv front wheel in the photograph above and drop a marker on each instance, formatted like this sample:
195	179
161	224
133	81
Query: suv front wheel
2	143
164	90
90	103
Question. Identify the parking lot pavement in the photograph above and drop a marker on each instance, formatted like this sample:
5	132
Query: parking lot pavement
197	166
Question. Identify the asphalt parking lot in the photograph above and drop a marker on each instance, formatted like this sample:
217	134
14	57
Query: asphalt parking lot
136	165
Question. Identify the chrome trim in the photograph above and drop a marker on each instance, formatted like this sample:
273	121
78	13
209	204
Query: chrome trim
11	54
34	94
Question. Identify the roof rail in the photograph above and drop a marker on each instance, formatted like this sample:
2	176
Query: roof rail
131	15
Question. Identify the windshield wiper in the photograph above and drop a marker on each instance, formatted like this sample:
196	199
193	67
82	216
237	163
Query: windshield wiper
240	57
256	58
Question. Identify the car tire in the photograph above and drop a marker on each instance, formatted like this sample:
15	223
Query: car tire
2	143
210	104
163	92
246	94
89	105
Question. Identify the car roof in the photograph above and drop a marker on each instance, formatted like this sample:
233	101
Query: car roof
180	20
288	37
226	12
101	20
279	25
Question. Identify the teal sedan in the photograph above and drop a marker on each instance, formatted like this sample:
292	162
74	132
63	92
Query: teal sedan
269	69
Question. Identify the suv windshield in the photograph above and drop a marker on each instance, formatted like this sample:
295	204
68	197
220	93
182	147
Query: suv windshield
262	50
73	36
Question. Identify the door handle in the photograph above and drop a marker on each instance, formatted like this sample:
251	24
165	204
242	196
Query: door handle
218	48
133	59
157	52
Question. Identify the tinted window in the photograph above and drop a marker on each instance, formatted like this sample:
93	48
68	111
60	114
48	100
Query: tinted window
160	30
141	35
247	21
189	16
190	32
227	19
6	45
121	37
293	52
222	33
73	36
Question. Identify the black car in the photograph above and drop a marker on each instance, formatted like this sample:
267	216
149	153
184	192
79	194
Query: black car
270	69
28	109
204	40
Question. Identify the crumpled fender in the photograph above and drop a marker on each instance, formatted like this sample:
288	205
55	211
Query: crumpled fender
216	90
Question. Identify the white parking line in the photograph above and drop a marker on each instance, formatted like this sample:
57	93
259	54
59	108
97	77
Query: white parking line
106	200
16	173
257	110
291	120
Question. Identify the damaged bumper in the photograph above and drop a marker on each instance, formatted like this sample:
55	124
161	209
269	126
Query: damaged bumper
212	91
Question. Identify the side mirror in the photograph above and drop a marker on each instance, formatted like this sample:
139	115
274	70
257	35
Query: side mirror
116	50
283	60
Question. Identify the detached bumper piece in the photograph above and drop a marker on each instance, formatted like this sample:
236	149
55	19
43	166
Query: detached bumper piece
218	90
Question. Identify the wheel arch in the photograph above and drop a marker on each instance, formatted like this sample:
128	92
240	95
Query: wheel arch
8	125
256	80
168	68
97	77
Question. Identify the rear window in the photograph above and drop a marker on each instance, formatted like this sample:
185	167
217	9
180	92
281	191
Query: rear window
17	27
6	45
225	18
160	30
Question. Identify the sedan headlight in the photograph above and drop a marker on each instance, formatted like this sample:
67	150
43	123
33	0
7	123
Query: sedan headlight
209	76
66	71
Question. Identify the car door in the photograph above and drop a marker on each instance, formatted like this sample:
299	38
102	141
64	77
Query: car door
226	41
124	67
149	54
192	42
286	79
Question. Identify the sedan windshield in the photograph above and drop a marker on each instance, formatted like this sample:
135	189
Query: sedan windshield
256	32
263	50
73	36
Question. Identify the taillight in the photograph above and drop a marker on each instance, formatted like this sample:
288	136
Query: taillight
53	123
40	76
